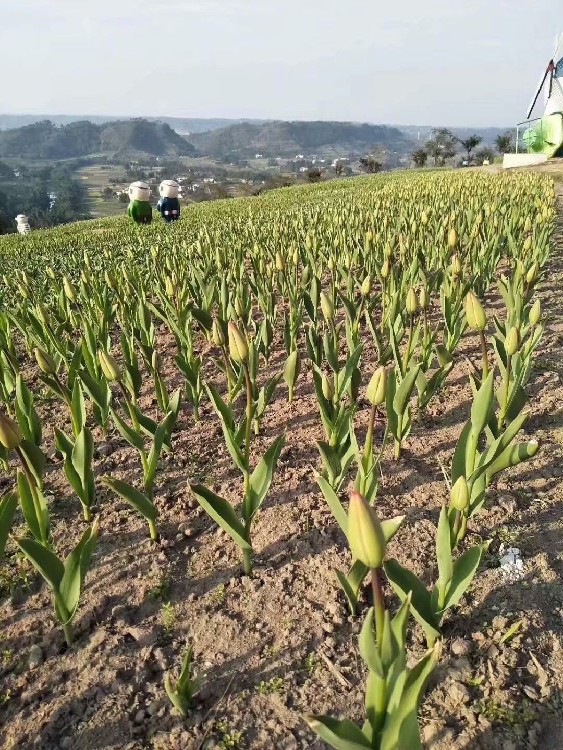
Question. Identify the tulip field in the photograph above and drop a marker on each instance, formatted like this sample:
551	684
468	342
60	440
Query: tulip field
259	469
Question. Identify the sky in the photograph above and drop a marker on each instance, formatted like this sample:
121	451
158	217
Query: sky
436	62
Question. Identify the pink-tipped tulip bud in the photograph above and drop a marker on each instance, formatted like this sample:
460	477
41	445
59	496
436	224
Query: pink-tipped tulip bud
365	535
238	345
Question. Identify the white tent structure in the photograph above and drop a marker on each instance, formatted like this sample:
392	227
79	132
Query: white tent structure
544	133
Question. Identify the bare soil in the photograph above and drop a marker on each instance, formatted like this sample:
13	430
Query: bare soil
281	644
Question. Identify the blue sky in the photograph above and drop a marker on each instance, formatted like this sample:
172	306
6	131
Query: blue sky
433	62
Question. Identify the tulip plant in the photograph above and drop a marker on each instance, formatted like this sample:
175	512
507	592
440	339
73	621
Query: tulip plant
238	439
393	690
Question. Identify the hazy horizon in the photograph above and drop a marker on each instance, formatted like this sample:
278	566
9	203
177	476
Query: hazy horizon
111	117
460	66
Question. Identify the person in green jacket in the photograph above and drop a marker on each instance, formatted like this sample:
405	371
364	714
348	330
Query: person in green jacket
139	208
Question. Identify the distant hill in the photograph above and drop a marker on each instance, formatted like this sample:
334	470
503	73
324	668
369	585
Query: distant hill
130	138
282	138
184	125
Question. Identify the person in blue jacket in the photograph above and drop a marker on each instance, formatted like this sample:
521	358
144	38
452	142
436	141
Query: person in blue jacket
168	206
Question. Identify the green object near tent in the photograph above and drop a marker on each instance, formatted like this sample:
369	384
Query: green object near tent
545	136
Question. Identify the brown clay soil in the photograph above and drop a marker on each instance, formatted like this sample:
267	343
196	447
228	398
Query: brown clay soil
281	644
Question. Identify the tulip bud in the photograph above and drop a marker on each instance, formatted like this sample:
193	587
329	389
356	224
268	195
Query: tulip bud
306	275
51	274
385	268
513	342
327	387
331	264
295	258
110	368
456	265
239	307
366	286
169	287
217	333
43	314
238	345
69	289
10	433
45	361
375	391
327	307
535	313
365	535
532	274
520	267
423	298
110	281
424	218
474	313
528	224
412	302
459	495
527	243
280	262
452	238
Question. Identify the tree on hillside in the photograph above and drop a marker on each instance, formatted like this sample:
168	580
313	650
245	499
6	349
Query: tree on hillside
419	157
370	164
469	144
6	172
484	154
441	146
314	174
504	143
338	168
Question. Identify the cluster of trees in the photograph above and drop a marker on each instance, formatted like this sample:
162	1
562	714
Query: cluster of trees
443	146
49	196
